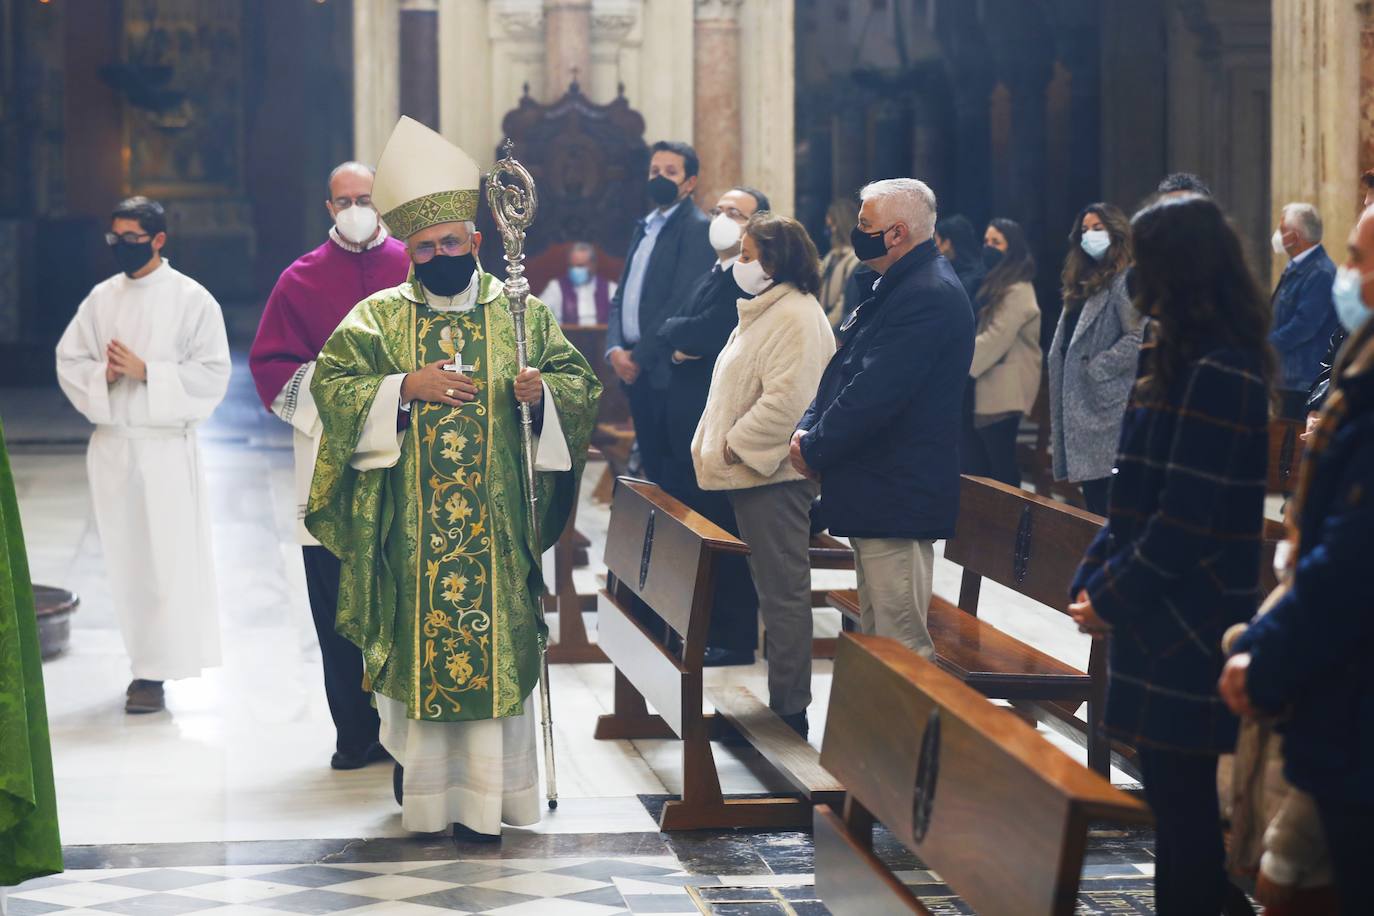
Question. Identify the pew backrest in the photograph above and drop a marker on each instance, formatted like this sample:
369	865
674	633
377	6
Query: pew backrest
974	792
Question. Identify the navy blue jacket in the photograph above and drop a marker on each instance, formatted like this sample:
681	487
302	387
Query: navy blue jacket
1310	655
682	253
883	431
1178	561
1303	319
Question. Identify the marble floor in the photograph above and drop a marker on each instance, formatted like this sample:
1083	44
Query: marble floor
225	801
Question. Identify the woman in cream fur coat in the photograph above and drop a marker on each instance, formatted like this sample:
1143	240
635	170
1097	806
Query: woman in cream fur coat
763	382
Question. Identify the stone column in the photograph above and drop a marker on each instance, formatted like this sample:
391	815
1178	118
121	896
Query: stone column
567	46
419	54
376	75
1366	12
1318	132
716	124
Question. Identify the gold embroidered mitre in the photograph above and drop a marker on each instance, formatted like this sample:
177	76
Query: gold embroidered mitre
422	179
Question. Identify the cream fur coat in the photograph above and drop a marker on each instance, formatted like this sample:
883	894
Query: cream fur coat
764	380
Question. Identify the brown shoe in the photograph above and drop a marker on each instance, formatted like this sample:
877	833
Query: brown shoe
145	696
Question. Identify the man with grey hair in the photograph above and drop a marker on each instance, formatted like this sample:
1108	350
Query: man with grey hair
1304	317
579	296
882	435
310	299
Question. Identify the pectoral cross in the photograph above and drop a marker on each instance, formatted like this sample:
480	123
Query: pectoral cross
460	366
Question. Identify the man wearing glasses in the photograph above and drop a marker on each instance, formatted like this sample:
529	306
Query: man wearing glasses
441	585
310	299
146	360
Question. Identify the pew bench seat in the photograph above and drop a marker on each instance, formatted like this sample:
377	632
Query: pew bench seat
788	752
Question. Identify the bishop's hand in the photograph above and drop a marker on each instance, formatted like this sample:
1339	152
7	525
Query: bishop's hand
529	386
438	385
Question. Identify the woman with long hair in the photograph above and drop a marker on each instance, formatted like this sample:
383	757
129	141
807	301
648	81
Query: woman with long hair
1092	361
840	262
1006	356
1178	561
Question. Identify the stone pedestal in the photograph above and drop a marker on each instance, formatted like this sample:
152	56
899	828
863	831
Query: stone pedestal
567	45
716	124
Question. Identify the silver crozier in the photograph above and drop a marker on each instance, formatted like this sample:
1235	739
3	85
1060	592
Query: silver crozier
511	197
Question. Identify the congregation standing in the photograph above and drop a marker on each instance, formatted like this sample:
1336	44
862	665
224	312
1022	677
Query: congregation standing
779	393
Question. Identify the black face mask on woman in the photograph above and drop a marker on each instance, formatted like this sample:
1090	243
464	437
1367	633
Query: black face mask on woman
992	257
132	256
447	275
662	191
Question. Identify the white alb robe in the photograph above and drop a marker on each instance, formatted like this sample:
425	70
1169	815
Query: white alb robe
484	773
147	483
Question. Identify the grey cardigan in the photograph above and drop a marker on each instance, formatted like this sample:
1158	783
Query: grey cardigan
1089	385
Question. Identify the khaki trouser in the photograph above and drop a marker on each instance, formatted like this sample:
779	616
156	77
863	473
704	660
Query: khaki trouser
894	589
775	521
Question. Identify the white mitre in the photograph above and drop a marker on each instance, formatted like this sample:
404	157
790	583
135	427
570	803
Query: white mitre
423	179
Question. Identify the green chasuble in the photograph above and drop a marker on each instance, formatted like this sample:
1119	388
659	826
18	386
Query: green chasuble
441	585
29	845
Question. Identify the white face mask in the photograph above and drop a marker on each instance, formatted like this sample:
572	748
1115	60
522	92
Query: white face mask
750	277
1095	243
725	233
357	223
1277	242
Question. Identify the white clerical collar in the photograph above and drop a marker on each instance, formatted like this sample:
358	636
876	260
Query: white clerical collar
346	245
163	269
459	302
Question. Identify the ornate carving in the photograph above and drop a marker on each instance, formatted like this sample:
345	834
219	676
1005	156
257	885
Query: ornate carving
518	20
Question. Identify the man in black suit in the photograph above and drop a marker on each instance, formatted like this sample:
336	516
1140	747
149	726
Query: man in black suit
694	338
668	254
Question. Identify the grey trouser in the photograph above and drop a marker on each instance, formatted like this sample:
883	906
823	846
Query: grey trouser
894	589
775	521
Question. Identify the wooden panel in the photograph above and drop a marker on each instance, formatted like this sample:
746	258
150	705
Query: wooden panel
996	664
788	752
850	880
590	341
1026	542
1285	455
829	553
671	561
1000	785
645	663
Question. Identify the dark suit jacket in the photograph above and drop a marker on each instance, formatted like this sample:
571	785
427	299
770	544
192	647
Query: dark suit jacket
681	255
1303	319
702	329
883	431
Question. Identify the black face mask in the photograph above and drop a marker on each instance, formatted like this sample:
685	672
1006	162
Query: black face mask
992	257
662	191
868	246
132	256
447	275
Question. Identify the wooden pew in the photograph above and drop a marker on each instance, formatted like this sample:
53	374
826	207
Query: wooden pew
1032	545
1285	455
983	800
664	554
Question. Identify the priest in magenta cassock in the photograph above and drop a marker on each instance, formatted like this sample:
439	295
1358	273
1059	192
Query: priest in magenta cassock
310	299
418	489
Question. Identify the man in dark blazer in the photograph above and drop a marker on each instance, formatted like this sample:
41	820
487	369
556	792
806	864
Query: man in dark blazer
1304	317
694	338
668	254
883	432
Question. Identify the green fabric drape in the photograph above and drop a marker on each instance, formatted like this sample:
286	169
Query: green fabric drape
29	842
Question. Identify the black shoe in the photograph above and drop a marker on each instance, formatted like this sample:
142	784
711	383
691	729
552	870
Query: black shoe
797	722
144	697
722	658
398	778
357	759
465	834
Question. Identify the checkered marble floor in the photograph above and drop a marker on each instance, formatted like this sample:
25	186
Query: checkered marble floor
503	887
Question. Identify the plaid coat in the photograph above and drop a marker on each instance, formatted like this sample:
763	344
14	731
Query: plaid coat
1179	558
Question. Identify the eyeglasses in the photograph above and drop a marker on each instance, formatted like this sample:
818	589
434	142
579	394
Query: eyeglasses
450	245
128	238
343	203
732	212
